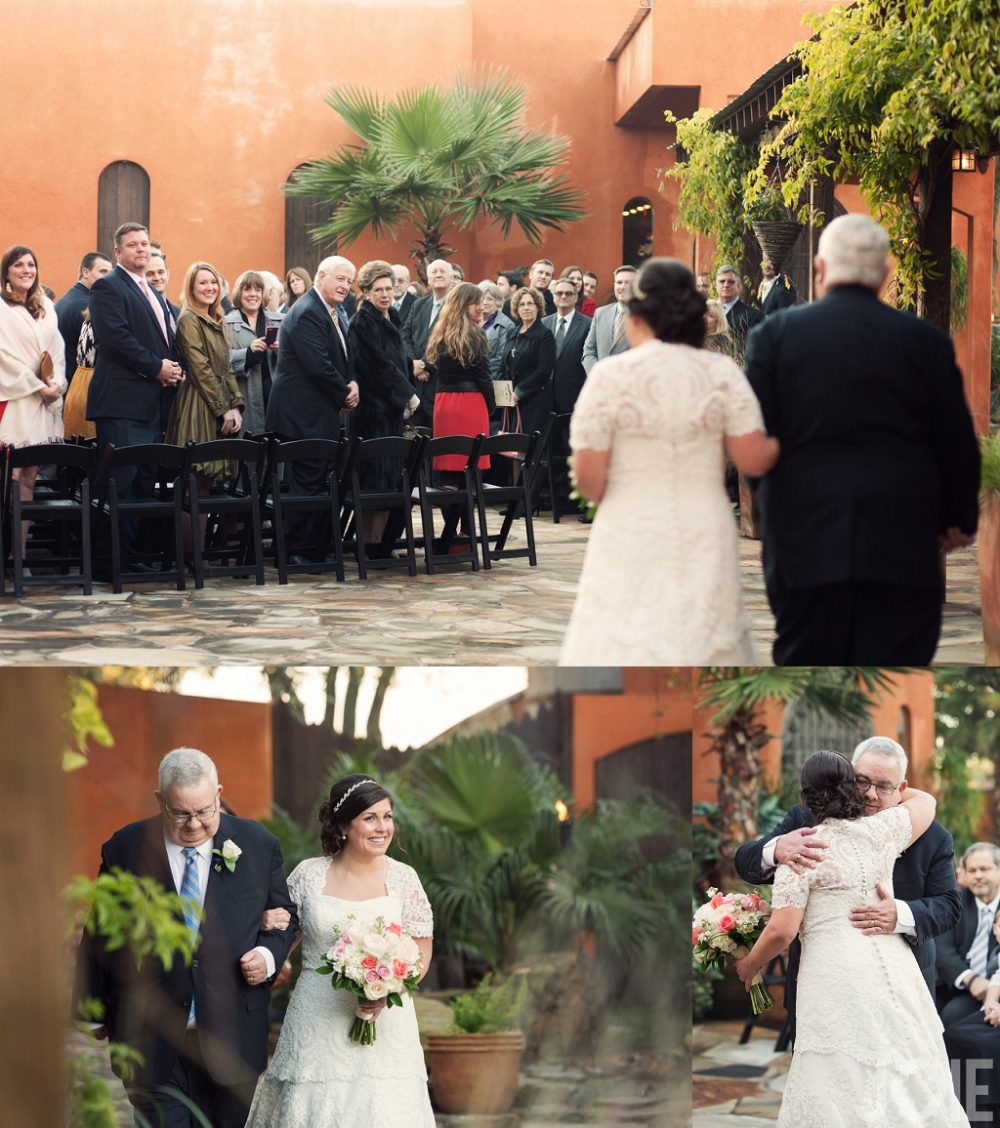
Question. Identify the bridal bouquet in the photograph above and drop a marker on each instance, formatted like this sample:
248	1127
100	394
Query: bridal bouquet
729	925
372	961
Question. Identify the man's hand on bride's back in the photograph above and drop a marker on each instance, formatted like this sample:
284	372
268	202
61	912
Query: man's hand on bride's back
799	849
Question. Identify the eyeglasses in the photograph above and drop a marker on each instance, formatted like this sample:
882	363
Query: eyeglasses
201	816
883	786
564	293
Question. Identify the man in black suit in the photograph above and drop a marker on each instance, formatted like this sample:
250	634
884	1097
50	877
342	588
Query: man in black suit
777	291
964	953
70	307
402	298
740	317
136	371
570	330
926	900
416	331
313	384
879	466
201	1029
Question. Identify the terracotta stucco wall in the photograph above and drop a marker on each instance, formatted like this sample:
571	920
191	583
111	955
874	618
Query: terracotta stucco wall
116	787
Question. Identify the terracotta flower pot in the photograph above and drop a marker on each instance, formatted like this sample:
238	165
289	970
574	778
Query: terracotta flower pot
474	1073
989	574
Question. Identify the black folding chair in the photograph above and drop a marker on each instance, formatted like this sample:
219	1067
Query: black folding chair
237	497
453	501
517	497
63	503
397	501
166	504
283	499
555	450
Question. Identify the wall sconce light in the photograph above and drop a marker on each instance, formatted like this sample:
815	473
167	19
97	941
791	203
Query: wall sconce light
963	160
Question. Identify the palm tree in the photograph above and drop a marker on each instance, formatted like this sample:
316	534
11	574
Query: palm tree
736	693
440	159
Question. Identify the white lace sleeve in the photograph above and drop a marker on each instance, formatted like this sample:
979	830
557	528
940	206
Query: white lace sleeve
592	425
791	890
896	825
418	918
302	878
743	414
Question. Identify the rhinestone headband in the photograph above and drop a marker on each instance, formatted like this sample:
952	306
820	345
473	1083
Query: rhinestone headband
353	787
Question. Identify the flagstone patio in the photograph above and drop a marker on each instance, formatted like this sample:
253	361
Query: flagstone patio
511	615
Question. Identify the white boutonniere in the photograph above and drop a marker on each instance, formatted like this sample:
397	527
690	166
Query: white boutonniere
230	855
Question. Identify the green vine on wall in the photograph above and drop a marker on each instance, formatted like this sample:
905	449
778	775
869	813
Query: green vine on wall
882	81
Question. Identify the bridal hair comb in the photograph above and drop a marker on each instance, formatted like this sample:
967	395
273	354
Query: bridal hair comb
353	787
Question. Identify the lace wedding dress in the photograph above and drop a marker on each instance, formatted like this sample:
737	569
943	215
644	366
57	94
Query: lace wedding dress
868	1046
318	1078
661	581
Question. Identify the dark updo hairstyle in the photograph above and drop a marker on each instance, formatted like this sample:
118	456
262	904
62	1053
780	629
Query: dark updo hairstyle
827	787
338	811
665	296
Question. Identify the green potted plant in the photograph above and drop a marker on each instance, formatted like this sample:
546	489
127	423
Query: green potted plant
989	547
474	1065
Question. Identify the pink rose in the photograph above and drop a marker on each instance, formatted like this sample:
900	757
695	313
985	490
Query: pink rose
727	923
717	900
754	901
695	935
369	961
383	971
400	969
395	929
371	975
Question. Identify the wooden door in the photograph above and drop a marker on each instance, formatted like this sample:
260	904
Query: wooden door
122	197
302	215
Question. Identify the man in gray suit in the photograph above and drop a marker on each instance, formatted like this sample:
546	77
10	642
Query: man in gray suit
570	330
607	330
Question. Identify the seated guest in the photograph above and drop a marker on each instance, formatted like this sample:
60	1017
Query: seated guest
297	281
249	353
459	351
209	404
313	385
495	324
717	336
386	395
964	952
528	361
70	307
157	275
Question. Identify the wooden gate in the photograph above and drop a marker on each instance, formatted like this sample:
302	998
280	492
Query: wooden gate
122	197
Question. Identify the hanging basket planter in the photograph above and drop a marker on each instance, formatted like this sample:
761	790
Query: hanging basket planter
776	238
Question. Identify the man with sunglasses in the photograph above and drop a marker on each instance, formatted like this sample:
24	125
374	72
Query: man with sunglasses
202	1030
924	901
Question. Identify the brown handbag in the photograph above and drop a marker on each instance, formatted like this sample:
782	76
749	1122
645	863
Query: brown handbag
46	372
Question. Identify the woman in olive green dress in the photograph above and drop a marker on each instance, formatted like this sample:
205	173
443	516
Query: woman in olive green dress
209	405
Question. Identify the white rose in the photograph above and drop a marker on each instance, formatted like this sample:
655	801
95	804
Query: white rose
374	942
407	949
377	989
230	851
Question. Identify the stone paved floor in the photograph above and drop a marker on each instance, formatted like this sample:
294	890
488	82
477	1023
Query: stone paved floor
511	615
739	1101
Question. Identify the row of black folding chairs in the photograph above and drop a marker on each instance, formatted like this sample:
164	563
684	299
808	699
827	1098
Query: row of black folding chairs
80	489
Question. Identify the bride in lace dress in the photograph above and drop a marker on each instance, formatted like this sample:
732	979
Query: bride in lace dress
868	1044
318	1078
661	580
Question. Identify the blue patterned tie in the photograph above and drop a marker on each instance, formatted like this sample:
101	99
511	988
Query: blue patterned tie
977	953
191	890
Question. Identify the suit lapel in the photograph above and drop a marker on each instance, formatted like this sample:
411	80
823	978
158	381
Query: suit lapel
136	290
220	880
153	854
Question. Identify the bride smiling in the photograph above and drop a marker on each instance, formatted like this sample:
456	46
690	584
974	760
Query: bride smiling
318	1076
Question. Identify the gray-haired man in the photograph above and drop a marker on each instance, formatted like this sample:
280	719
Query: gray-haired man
201	1029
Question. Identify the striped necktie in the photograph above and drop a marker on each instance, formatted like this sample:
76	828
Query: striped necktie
191	891
619	325
977	953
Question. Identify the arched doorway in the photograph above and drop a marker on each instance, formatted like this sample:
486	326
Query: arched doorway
806	730
637	231
662	764
122	197
302	214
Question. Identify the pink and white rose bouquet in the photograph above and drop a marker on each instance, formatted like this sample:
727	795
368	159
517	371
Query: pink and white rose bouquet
727	927
373	961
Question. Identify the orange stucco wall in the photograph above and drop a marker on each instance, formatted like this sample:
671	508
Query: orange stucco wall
220	101
913	691
116	787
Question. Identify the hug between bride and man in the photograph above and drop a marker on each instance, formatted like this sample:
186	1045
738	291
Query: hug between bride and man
867	902
202	1029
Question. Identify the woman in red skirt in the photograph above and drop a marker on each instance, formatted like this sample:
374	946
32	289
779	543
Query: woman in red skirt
460	354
